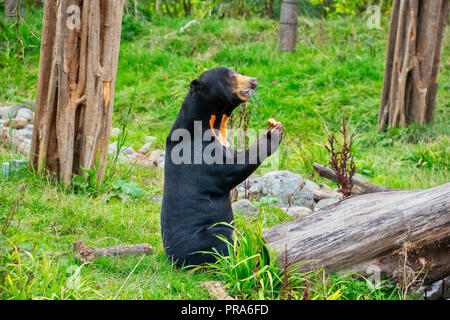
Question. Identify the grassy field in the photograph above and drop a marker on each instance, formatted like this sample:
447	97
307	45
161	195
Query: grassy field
337	69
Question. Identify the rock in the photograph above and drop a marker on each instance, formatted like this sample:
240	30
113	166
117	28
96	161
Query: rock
297	212
25	113
437	290
129	151
25	133
156	198
145	148
149	139
311	185
5	169
11	111
112	148
244	206
17	123
255	190
325	192
154	156
12	166
325	203
139	156
216	290
288	187
160	162
115	132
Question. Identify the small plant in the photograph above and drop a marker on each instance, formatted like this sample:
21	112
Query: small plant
342	161
407	277
126	190
239	121
13	210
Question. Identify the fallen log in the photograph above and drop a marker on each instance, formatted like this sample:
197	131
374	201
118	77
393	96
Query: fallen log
367	232
84	253
359	186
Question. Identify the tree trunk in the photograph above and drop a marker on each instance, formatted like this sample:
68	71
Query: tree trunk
412	62
75	91
11	6
367	232
288	25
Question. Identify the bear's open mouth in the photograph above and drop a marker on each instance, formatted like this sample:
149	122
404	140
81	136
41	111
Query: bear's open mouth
244	87
247	93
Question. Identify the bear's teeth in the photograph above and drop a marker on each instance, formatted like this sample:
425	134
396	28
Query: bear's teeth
248	92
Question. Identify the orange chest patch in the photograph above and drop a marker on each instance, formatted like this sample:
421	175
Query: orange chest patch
222	136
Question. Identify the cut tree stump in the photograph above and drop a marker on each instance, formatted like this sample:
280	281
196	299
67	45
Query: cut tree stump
359	186
84	253
413	56
367	232
75	90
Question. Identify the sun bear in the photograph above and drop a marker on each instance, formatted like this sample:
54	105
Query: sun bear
201	166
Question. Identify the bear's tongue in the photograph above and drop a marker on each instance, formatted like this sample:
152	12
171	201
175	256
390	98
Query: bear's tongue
222	136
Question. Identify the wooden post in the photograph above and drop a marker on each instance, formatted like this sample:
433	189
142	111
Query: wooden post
412	62
288	25
75	91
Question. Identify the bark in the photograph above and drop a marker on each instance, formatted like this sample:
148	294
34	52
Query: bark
412	62
368	232
359	186
84	253
75	92
288	25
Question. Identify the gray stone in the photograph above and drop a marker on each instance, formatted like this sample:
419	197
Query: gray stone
244	206
11	111
12	166
160	162
297	212
24	133
325	192
437	290
289	188
311	184
154	156
145	148
149	139
115	132
18	123
255	190
325	203
129	151
112	148
25	113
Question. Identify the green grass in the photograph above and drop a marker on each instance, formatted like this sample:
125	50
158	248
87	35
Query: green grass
337	68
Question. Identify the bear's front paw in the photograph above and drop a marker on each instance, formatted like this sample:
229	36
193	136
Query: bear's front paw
275	134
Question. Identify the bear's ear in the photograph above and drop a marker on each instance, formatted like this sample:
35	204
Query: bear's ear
195	84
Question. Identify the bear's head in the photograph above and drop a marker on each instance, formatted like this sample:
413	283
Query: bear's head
220	91
224	89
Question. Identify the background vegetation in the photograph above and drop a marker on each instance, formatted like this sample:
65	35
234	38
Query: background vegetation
337	69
